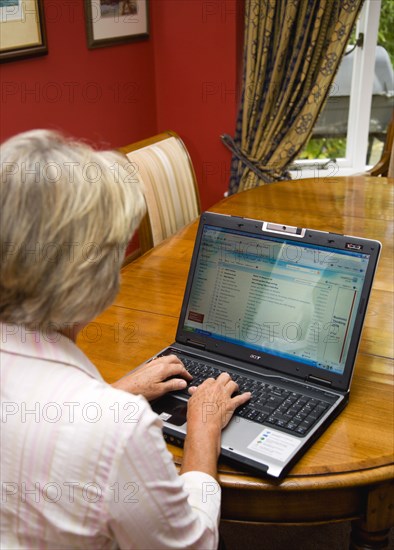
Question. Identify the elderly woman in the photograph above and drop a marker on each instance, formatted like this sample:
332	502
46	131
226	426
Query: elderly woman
84	463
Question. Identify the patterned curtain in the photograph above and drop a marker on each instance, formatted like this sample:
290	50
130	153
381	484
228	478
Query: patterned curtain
292	49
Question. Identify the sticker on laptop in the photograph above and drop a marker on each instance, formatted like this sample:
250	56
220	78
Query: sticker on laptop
274	444
164	416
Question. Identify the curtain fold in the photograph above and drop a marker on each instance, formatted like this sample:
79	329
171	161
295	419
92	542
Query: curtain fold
292	49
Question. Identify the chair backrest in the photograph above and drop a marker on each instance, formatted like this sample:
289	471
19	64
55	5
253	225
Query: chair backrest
171	192
385	166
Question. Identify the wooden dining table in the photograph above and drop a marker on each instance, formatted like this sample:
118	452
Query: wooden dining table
348	472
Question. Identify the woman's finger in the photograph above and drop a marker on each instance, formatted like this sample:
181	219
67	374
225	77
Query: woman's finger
239	400
223	378
175	384
173	369
231	387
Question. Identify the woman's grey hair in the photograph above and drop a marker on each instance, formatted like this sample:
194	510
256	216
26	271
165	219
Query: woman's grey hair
67	213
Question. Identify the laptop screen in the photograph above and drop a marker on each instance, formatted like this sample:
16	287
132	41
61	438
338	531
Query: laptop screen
282	297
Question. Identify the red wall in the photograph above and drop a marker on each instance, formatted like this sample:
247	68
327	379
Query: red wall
183	78
195	63
106	95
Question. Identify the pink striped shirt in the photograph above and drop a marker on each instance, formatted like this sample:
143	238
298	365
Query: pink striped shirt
84	465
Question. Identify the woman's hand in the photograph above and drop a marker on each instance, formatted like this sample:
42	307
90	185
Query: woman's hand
209	410
212	402
151	379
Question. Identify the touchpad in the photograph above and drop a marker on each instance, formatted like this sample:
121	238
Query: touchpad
171	410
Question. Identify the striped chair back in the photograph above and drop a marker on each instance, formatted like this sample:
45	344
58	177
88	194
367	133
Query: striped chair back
165	168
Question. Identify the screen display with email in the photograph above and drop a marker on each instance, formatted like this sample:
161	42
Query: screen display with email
282	297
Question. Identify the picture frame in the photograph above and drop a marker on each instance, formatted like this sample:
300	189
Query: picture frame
22	29
112	22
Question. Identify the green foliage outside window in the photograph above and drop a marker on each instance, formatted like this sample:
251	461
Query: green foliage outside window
323	148
386	28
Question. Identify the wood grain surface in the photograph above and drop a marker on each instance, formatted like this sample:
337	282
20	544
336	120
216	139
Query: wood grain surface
349	471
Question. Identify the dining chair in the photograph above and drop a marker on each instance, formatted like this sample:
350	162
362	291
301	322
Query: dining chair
171	191
385	166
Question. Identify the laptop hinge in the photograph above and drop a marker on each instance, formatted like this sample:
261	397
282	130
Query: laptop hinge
319	380
198	345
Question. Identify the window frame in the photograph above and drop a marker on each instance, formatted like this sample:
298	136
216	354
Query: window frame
359	105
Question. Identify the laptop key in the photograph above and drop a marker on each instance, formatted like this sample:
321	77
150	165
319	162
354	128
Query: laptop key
251	414
261	417
281	423
243	411
301	430
291	425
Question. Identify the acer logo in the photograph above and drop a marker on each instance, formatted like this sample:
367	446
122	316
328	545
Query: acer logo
255	356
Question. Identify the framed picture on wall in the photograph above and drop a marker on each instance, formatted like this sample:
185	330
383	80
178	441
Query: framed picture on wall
22	29
110	22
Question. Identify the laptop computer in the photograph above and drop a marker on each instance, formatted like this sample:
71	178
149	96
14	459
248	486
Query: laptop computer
281	309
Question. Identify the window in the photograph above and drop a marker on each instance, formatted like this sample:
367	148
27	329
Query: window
350	131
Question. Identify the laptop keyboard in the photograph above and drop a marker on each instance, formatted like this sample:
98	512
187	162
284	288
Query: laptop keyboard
288	410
